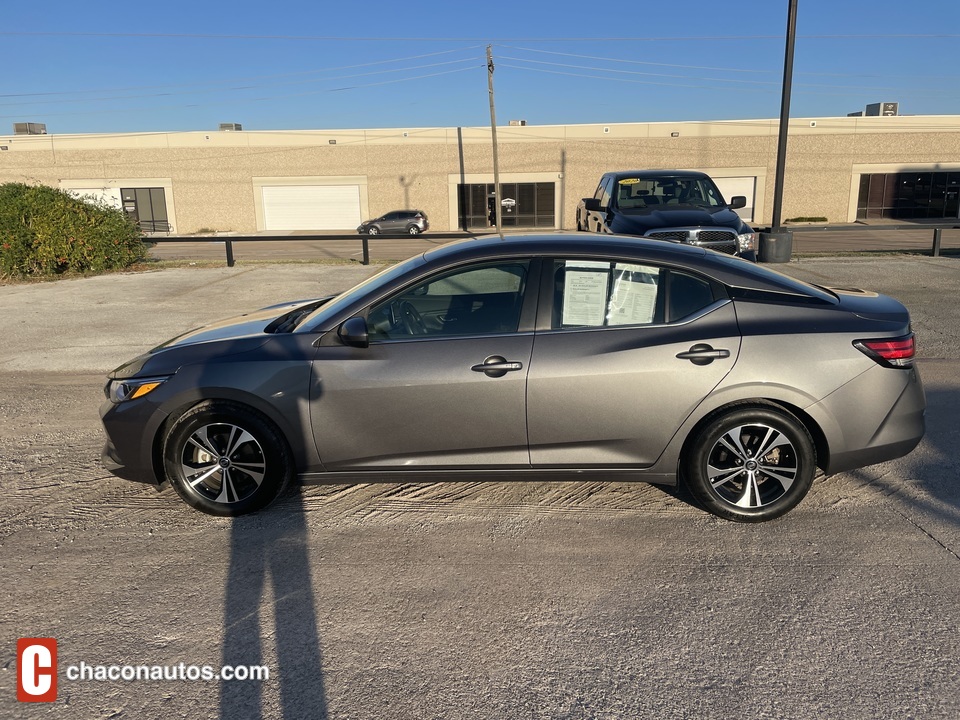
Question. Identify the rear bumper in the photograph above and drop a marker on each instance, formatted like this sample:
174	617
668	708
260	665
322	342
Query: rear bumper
901	429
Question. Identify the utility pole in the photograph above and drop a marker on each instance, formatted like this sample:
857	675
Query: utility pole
493	131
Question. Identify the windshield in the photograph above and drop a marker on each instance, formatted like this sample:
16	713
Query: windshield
321	318
634	193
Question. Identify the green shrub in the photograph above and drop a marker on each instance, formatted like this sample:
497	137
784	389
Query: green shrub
805	218
45	231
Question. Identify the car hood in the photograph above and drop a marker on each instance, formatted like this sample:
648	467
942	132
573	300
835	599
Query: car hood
254	323
638	221
227	337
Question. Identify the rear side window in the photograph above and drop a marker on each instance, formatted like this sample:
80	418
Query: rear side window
591	294
687	295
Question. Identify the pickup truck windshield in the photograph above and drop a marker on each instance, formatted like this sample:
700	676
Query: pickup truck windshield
646	193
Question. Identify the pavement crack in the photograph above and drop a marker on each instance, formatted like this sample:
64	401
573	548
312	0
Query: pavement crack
926	532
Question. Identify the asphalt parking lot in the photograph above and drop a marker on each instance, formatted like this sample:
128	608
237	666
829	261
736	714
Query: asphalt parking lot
463	600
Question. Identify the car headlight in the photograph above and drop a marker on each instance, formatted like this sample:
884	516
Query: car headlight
118	391
747	241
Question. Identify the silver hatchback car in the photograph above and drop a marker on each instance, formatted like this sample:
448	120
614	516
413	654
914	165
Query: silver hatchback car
565	356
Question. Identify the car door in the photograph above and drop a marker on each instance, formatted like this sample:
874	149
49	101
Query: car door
449	393
388	223
624	355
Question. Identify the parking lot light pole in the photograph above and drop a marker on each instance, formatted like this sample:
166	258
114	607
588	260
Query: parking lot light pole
784	115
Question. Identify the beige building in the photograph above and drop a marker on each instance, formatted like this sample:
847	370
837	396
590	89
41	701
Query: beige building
325	180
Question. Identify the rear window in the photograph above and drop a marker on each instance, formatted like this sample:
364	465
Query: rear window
774	281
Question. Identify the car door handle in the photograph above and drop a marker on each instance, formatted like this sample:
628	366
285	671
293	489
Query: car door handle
496	366
703	354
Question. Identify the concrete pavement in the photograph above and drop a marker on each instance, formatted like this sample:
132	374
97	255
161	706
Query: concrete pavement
463	600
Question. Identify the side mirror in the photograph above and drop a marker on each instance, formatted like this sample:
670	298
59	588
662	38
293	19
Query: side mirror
738	201
591	204
354	333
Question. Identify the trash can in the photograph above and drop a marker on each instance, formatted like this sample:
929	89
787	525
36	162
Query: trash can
776	247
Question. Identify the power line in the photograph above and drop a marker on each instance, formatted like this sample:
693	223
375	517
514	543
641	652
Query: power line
241	88
773	88
636	62
257	99
229	81
707	67
335	38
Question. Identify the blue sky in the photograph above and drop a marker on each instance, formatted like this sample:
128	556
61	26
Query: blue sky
175	65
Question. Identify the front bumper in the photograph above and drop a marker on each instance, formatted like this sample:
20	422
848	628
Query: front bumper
113	463
128	451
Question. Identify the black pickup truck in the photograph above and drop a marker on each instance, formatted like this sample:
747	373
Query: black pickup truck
673	205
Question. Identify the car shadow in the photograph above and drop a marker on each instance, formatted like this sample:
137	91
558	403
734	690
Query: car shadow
271	547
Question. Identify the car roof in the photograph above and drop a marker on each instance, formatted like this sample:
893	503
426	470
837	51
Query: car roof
729	270
654	174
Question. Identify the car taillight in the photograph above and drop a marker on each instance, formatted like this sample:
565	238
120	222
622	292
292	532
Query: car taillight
891	352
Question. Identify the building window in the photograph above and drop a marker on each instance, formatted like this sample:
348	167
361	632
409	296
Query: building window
534	204
147	207
908	195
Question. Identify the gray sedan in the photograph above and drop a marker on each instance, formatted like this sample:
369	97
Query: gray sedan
559	356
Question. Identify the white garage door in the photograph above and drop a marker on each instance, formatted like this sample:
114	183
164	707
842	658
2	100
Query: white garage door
731	186
107	196
311	207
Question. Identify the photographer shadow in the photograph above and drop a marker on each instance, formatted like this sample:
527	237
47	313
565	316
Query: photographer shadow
271	547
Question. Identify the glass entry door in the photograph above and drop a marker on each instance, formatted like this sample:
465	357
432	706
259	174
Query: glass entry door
951	204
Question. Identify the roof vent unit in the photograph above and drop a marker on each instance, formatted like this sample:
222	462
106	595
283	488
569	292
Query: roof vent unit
886	109
518	123
29	129
230	127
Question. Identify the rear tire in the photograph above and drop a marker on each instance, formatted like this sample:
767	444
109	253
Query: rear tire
413	230
751	464
226	459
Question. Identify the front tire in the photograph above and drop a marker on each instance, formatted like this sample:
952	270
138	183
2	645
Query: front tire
373	230
226	459
751	464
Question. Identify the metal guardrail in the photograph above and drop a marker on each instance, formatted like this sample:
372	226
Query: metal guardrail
364	240
229	240
937	230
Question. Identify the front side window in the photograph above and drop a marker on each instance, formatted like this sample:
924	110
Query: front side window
604	191
476	300
591	293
